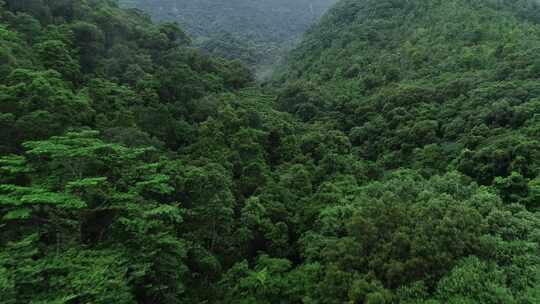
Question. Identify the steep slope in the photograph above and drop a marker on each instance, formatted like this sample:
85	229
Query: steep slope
89	63
433	95
437	85
96	104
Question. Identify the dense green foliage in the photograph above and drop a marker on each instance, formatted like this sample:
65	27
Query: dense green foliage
435	86
397	161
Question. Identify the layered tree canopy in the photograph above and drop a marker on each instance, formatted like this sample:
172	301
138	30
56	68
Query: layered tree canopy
395	158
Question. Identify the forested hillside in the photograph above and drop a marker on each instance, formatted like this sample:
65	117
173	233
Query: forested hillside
257	32
396	160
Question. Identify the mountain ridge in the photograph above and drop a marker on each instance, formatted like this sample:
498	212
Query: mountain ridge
256	32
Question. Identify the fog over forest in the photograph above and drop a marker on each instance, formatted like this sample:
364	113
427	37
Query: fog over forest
258	32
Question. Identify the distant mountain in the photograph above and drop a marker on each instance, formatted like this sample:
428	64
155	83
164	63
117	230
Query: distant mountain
254	31
265	20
